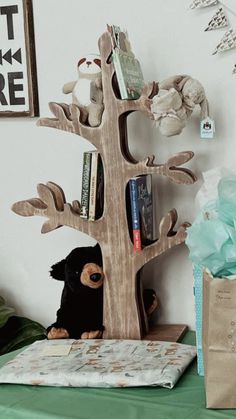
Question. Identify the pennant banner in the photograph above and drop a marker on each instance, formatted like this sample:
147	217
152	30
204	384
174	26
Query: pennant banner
219	20
203	3
227	42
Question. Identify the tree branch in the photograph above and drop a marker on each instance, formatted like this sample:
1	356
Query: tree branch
167	239
67	118
52	205
169	169
143	104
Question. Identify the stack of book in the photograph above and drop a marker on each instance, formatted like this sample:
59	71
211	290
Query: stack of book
140	211
92	195
128	71
138	199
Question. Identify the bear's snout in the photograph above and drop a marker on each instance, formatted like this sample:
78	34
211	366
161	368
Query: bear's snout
95	277
92	275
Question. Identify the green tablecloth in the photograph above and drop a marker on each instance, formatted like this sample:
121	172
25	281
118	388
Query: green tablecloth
185	401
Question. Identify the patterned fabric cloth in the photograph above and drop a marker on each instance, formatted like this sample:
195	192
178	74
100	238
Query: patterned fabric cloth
99	363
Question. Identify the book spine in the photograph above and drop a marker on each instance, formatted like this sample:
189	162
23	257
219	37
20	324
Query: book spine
93	186
145	207
99	189
84	207
135	215
119	75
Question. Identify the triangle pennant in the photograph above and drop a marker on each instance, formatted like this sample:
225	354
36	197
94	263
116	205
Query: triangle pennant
234	69
219	20
196	4
0	57
8	57
17	56
227	42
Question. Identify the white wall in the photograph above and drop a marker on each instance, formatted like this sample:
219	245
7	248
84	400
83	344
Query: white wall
168	39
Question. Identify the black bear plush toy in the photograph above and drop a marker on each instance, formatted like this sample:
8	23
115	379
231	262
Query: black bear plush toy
80	315
81	310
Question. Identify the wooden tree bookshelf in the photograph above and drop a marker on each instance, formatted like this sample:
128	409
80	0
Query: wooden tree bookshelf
124	315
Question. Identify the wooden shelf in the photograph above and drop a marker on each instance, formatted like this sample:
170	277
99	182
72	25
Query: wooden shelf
166	332
123	312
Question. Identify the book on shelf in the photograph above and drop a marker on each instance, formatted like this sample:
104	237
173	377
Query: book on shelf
141	210
96	194
84	203
92	193
128	70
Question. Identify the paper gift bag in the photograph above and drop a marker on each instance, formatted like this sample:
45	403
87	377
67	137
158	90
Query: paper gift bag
219	341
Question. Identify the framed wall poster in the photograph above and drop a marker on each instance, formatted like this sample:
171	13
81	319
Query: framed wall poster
18	77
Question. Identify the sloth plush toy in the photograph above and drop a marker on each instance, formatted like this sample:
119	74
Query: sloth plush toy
87	90
80	315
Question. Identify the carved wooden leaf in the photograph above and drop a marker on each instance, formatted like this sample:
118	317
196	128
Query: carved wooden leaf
182	176
180	158
66	109
59	195
46	194
168	222
150	90
182	233
75	112
57	110
76	206
150	160
49	225
104	45
29	207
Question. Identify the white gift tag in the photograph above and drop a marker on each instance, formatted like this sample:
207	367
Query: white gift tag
207	128
56	350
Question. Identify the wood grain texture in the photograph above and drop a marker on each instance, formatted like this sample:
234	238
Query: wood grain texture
123	314
167	332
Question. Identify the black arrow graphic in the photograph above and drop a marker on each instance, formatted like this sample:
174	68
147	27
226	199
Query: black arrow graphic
8	56
17	56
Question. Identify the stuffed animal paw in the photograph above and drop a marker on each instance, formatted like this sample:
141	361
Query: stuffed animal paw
94	334
150	301
59	333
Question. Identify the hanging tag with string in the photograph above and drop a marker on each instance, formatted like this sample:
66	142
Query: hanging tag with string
207	124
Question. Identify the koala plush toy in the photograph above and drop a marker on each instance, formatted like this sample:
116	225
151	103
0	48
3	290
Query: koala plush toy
87	90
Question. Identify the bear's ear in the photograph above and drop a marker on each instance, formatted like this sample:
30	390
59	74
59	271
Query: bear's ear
97	247
98	251
58	270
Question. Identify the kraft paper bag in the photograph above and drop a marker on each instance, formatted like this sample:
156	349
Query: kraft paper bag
219	341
